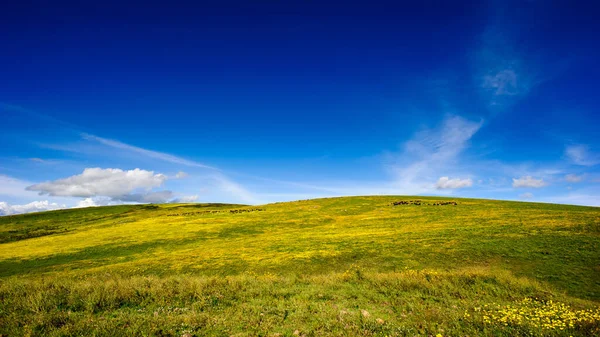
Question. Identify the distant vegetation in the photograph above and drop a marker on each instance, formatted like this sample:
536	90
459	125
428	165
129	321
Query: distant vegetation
356	266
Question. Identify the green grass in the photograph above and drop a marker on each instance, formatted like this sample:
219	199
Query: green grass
338	266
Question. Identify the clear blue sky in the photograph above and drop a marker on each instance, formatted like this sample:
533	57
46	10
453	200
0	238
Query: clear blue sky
113	102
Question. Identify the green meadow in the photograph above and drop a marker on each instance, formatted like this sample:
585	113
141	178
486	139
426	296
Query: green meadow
353	266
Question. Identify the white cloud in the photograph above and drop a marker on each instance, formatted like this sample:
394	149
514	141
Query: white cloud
219	181
186	199
581	155
87	202
97	201
113	183
431	152
526	195
102	187
446	183
181	175
35	206
12	187
573	178
528	181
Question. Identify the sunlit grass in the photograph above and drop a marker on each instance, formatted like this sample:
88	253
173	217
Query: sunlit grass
416	269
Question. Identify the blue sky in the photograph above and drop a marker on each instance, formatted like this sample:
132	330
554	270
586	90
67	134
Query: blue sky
106	103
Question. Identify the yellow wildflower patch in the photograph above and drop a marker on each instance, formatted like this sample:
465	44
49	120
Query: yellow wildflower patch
542	315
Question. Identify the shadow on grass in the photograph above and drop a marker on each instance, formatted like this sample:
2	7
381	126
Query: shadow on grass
97	256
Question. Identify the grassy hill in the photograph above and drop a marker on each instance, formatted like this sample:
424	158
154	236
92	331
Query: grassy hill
357	266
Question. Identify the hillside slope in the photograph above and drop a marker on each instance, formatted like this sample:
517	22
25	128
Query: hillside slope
455	252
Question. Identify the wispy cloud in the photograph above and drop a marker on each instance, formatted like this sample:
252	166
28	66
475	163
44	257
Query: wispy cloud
527	195
447	183
215	178
528	181
501	72
22	111
148	153
235	189
223	182
505	70
573	178
430	153
581	155
181	175
503	82
12	187
90	146
219	175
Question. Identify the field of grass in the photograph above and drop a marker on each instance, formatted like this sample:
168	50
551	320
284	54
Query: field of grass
355	266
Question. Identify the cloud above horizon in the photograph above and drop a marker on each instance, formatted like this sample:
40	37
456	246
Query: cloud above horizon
447	183
431	152
573	178
35	206
212	176
528	181
113	183
10	186
581	155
